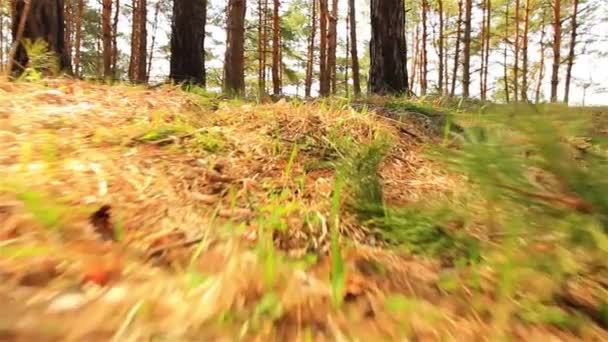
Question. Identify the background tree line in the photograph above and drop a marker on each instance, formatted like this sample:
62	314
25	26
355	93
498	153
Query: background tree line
503	50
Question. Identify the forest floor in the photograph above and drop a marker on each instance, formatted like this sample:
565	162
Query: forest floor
129	213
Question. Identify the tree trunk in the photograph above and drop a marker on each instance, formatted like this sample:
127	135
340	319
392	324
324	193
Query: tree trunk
310	61
1	36
457	52
541	69
354	55
571	54
78	38
324	78
441	50
416	55
276	49
234	62
115	39
332	38
44	22
424	58
187	42
517	49
68	19
388	73
153	43
106	38
505	66
466	65
487	47
524	51
557	45
139	46
484	14
261	48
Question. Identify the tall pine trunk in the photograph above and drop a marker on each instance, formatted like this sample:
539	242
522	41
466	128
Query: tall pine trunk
153	43
457	51
234	61
571	53
262	4
106	38
557	46
45	21
324	78
441	48
424	53
505	56
276	49
310	60
484	31
541	69
332	49
524	51
78	37
354	55
68	13
187	42
466	63
388	70
139	46
517	49
115	38
487	47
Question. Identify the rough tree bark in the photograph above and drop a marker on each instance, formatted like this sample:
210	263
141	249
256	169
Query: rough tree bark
457	51
388	71
571	53
68	11
541	69
524	51
505	66
354	55
106	38
441	47
234	61
310	61
139	46
517	49
45	21
466	63
484	13
276	49
115	38
557	45
187	42
78	38
332	38
324	76
424	58
153	43
487	47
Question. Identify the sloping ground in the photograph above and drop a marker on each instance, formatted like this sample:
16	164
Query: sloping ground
134	214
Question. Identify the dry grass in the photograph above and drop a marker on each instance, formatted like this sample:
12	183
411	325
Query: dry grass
191	185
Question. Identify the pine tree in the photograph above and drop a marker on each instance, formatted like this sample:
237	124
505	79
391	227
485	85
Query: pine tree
571	53
137	65
557	45
234	61
106	38
311	49
187	42
388	71
276	49
466	64
353	48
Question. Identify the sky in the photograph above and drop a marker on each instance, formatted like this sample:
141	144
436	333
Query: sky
587	68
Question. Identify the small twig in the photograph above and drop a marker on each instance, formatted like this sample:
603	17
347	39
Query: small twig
575	203
15	46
